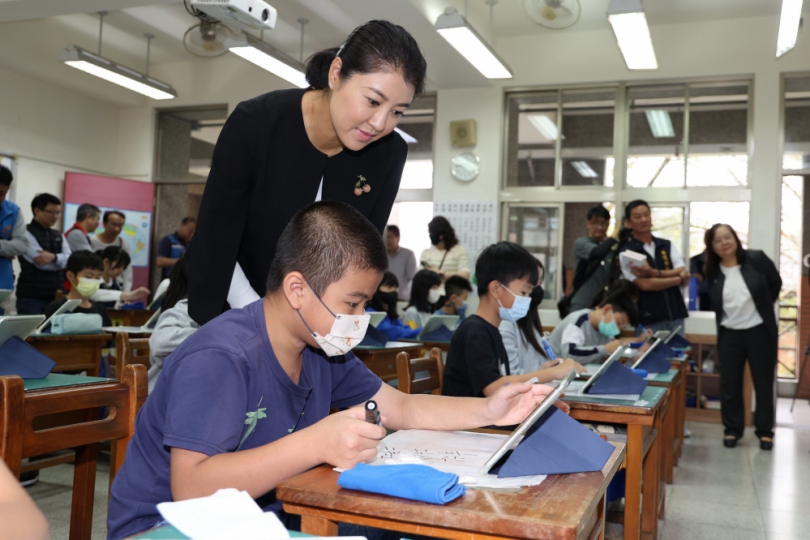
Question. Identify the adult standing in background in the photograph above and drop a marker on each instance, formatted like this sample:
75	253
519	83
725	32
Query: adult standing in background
593	256
281	151
87	218
660	300
401	261
446	257
42	266
13	237
744	286
173	246
113	222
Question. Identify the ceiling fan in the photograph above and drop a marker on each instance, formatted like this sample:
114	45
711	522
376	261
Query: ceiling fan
553	14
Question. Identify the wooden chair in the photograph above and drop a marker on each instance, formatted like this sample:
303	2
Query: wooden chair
20	439
129	351
407	369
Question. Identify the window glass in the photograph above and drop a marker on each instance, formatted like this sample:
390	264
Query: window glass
667	223
656	132
790	269
797	124
417	174
587	137
702	215
537	228
532	133
412	219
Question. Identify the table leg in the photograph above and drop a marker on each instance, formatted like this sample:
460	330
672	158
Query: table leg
318	526
651	485
84	485
680	412
668	440
632	491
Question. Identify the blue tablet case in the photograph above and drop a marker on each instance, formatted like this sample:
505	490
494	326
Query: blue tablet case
679	341
656	362
21	359
556	444
441	334
618	379
374	338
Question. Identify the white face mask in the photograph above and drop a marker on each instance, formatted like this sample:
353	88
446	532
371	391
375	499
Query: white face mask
346	333
434	295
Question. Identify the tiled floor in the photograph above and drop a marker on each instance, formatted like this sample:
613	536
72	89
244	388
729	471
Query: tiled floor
718	494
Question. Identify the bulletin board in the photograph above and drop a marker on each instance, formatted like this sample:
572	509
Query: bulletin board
134	199
475	223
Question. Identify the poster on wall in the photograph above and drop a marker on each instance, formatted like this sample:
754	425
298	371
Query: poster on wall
137	231
475	223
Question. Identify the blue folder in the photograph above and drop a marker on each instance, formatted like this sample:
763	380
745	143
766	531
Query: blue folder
618	379
679	341
21	359
441	334
656	362
374	338
556	444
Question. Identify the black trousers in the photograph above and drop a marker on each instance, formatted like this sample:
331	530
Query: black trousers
759	347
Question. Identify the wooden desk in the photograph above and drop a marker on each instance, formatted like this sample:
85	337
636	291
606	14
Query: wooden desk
670	439
72	352
382	361
682	365
562	507
168	532
643	492
130	317
443	346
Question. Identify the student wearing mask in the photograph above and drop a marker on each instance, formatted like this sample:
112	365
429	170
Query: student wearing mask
87	218
477	362
447	257
174	324
425	293
454	302
42	266
244	402
13	236
83	271
385	300
401	261
744	285
593	256
660	299
588	335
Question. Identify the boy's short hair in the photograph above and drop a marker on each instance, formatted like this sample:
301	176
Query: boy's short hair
108	213
504	262
85	211
5	176
83	260
623	303
43	200
323	241
634	204
456	285
598	211
393	229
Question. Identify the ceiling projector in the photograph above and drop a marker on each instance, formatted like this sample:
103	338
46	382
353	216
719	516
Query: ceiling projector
240	14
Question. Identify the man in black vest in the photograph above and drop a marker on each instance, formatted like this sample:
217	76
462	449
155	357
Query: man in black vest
42	267
660	300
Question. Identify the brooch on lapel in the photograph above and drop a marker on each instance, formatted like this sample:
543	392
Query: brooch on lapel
361	186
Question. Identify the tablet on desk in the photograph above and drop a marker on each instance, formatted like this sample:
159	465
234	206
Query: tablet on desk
376	317
436	322
655	341
18	325
67	307
602	369
673	333
147	328
524	426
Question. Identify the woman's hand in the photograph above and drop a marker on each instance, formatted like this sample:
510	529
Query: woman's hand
511	404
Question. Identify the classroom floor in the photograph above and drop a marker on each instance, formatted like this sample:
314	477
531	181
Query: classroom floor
718	494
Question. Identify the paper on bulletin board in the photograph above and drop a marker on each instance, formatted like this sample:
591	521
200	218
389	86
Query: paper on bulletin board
137	231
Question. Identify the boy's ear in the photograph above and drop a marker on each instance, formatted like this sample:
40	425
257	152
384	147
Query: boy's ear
293	288
493	289
607	308
71	277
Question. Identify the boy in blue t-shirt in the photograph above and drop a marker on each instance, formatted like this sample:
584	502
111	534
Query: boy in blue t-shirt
244	402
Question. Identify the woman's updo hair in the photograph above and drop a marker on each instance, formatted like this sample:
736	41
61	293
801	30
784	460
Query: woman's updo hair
371	47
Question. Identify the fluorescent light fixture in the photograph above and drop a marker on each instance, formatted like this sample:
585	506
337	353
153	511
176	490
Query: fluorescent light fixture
463	37
633	34
788	26
272	60
408	138
660	123
544	125
108	70
584	169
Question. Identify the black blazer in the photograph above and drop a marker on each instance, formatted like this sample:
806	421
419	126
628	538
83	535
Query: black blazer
263	171
763	281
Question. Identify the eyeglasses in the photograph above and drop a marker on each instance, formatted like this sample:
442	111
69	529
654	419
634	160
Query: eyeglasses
721	239
54	213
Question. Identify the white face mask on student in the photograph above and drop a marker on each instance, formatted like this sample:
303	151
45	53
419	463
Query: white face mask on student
434	295
346	333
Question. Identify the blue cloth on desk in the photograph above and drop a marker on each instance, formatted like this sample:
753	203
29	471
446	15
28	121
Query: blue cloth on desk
417	482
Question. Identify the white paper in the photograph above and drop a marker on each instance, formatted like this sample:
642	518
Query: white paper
458	452
228	513
630	259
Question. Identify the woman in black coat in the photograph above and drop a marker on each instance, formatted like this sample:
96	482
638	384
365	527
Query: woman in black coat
743	287
279	152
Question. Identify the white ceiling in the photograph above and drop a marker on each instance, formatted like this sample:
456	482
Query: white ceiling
32	32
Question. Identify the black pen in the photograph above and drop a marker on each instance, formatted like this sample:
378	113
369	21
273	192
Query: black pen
372	413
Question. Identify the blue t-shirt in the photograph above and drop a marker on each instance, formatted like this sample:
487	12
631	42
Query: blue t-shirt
223	390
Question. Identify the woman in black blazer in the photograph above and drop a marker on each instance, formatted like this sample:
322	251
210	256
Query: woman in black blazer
279	152
743	287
